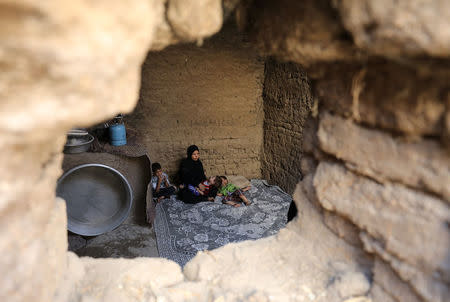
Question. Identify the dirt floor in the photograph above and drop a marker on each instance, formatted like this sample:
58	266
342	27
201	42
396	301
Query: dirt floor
134	237
127	241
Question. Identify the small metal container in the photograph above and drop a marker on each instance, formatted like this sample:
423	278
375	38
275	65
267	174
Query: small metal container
78	143
117	134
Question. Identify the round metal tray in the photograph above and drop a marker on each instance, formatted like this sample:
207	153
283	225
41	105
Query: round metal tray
98	198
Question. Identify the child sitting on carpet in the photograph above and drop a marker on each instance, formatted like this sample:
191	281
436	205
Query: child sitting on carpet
207	188
232	195
160	183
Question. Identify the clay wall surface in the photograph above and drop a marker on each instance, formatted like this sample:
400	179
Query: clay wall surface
287	104
209	96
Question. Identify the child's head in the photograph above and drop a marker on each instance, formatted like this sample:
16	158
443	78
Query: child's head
156	168
216	182
224	180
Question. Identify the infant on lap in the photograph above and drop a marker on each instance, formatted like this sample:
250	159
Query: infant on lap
207	188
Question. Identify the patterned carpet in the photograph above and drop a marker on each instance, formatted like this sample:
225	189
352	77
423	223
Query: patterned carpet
184	229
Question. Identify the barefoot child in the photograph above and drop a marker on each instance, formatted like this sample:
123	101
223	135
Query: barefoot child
160	183
232	195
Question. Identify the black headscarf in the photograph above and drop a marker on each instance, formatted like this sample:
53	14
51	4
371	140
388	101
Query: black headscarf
192	172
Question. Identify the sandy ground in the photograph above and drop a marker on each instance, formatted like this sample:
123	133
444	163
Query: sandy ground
127	241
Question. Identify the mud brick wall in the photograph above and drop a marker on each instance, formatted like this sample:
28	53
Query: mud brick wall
209	96
287	103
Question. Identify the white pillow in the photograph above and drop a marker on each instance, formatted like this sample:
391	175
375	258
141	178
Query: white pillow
238	180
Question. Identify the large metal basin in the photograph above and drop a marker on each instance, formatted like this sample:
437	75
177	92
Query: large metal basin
98	198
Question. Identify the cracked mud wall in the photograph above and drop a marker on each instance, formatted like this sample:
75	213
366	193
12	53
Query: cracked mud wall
287	104
210	96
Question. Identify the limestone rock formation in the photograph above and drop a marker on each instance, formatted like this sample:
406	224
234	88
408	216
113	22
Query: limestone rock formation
194	19
399	217
276	27
422	164
347	30
395	28
116	279
400	96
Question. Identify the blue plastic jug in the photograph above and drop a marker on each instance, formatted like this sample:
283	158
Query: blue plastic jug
117	135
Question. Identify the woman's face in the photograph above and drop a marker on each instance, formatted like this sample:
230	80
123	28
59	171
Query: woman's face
195	155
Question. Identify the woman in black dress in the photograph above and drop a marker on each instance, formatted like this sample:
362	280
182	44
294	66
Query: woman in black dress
191	173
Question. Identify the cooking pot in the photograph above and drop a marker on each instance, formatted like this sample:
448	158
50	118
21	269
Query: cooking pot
78	143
